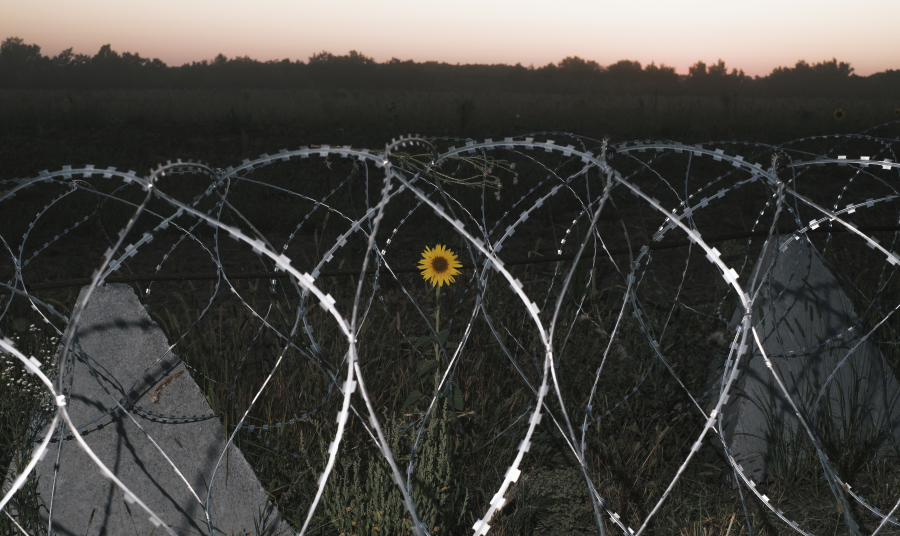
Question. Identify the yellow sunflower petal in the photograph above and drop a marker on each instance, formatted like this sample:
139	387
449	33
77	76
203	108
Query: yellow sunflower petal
439	265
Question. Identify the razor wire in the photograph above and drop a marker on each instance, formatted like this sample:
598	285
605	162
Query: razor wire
418	183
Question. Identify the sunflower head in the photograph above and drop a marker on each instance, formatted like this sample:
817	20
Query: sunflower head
839	114
439	265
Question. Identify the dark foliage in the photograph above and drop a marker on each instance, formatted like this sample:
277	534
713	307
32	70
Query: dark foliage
23	67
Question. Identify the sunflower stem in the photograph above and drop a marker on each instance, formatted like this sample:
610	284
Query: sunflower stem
437	317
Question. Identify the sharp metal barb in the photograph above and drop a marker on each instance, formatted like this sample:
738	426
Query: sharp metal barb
627	215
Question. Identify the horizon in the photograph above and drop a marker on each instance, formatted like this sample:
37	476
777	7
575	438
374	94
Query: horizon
771	35
359	53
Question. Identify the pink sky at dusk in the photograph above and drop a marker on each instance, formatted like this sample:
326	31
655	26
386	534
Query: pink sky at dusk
754	36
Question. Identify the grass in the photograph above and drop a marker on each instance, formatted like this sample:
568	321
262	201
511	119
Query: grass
369	118
648	423
490	406
631	469
23	399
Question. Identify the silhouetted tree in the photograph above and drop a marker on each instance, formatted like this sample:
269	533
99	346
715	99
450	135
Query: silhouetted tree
64	59
20	63
625	70
106	57
715	78
663	73
23	66
578	74
825	77
576	64
697	71
341	71
15	52
353	58
825	70
662	79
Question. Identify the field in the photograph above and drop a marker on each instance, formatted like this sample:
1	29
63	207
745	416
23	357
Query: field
643	424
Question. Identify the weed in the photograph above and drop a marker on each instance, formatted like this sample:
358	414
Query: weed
638	427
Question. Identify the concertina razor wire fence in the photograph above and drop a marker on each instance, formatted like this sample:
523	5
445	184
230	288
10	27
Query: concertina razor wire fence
567	171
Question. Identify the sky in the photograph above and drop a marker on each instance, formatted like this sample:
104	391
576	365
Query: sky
756	36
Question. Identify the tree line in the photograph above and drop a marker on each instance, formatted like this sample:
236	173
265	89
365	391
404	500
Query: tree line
22	66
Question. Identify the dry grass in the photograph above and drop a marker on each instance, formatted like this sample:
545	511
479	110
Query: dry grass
632	455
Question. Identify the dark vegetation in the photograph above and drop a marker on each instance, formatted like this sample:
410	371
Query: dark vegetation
133	113
23	67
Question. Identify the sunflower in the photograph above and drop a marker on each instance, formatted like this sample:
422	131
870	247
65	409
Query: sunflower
897	112
839	114
439	265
